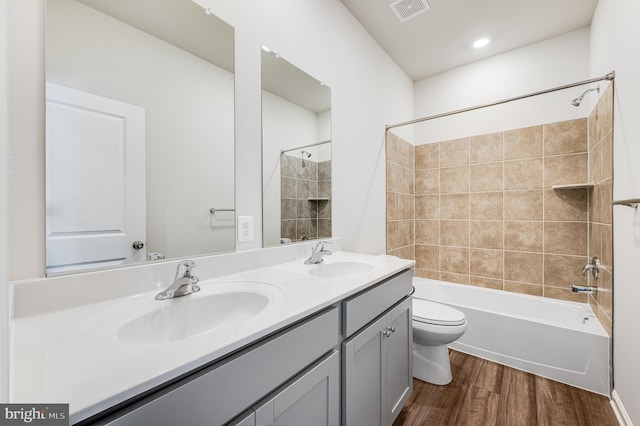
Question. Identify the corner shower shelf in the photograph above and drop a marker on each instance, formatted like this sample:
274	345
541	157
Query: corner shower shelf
574	186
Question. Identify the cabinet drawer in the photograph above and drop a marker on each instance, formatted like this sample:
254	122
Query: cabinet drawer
362	308
224	390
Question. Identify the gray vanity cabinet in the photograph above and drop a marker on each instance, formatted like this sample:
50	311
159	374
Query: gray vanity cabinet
221	392
350	364
378	363
312	399
364	380
399	360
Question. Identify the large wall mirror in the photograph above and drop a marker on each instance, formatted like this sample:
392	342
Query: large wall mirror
296	153
139	133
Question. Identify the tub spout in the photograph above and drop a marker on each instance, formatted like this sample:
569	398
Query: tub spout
583	289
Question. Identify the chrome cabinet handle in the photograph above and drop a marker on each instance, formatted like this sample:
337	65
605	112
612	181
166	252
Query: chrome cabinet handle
388	331
138	245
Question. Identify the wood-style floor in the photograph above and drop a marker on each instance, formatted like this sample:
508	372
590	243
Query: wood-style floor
485	393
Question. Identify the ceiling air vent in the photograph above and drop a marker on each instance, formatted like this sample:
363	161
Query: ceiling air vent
407	9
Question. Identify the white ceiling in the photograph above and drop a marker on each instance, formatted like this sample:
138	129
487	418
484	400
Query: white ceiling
441	38
208	37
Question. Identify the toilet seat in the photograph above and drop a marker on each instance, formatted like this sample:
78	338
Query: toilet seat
428	312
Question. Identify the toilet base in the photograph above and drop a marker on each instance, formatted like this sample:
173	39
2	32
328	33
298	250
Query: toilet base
431	364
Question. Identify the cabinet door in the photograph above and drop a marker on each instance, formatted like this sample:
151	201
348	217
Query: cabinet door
363	378
312	399
399	367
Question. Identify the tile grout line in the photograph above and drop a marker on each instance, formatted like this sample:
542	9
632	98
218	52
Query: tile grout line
469	211
503	215
543	211
439	144
413	221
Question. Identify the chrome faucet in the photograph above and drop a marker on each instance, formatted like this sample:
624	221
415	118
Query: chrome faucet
184	283
317	253
594	267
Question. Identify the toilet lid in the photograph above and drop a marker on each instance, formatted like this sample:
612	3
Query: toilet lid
436	313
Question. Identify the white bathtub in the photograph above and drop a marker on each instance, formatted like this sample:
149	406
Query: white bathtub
559	340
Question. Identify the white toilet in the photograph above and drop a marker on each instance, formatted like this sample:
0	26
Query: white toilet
434	326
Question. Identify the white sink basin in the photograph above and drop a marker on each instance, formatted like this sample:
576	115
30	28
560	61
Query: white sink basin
339	269
196	314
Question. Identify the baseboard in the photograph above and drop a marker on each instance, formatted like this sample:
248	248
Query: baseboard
618	409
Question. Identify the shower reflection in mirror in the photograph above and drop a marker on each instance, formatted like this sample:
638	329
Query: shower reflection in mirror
305	193
296	139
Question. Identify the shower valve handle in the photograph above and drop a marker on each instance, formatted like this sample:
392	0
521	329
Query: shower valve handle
594	267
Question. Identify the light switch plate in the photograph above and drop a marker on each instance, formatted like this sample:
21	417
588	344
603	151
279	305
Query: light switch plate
245	229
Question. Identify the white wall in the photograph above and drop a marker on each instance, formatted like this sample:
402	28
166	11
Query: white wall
189	121
4	291
324	130
284	125
368	90
615	36
550	63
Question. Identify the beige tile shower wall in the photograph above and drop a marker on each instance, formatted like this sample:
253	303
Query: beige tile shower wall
400	197
600	211
485	213
305	198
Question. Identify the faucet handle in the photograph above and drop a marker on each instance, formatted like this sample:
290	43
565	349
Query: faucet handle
322	243
188	266
319	247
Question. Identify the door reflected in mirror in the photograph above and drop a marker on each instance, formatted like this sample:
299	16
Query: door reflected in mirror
139	133
296	153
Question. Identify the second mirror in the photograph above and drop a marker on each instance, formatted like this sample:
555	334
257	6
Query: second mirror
296	153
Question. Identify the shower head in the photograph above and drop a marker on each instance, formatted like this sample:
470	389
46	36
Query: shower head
576	102
305	153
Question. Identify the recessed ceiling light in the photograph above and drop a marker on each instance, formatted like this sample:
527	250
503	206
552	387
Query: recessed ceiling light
482	42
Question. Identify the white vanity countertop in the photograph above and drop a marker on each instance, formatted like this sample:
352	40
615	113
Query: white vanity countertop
79	356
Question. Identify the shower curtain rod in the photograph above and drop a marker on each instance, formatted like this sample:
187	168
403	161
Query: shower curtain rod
282	151
609	76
